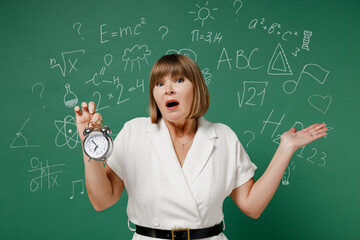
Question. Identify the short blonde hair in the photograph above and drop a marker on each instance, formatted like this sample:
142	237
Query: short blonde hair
177	65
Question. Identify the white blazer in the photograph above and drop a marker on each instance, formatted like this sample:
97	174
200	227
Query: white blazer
163	195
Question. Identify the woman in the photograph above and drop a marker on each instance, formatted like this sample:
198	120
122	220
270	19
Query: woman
176	166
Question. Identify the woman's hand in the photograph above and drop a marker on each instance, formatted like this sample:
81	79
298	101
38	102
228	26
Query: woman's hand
297	139
87	116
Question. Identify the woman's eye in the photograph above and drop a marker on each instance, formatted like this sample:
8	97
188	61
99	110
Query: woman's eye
180	80
159	84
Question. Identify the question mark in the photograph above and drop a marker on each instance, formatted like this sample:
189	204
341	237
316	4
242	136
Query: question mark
42	89
239	7
247	145
78	30
167	30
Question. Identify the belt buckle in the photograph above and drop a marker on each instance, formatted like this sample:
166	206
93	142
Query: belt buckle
174	230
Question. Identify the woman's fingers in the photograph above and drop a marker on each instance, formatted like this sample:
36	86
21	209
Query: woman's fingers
310	127
96	121
77	111
91	107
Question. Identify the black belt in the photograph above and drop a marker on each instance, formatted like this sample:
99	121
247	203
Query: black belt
180	233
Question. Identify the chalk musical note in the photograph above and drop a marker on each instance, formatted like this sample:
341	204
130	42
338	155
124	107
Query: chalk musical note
313	70
80	181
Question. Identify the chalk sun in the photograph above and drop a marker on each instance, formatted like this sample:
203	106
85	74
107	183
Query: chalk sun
203	13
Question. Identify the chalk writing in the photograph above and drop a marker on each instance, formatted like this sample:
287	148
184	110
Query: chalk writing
270	29
78	26
66	56
45	173
123	31
314	158
277	124
208	37
242	61
240	5
42	87
166	31
252	137
250	93
20	141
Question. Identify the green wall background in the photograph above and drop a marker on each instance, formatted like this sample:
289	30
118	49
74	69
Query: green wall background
269	65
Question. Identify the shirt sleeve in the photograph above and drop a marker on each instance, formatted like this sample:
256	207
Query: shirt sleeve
116	159
245	169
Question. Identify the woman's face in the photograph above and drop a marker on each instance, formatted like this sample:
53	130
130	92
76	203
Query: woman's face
174	98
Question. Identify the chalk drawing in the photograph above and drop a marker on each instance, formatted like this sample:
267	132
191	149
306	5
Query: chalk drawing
313	70
67	132
66	56
77	182
70	99
135	54
20	141
306	40
279	64
321	103
203	13
44	173
185	51
287	173
207	75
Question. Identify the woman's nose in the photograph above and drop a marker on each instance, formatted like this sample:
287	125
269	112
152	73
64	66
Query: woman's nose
169	89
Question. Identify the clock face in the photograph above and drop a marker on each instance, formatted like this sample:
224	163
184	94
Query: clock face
96	145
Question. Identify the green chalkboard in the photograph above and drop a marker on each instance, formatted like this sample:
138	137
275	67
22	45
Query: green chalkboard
269	66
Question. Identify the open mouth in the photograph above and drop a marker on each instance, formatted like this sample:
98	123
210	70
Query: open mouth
172	104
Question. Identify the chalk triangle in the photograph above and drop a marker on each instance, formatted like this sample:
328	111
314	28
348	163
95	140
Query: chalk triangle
279	64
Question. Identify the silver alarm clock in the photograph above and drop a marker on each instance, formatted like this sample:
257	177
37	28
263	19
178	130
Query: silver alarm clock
98	144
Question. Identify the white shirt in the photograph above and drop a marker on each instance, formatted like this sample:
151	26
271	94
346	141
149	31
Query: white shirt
163	195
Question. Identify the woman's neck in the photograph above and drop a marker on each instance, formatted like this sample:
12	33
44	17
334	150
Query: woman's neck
180	129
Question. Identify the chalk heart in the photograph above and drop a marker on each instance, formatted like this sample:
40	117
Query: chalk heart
321	103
